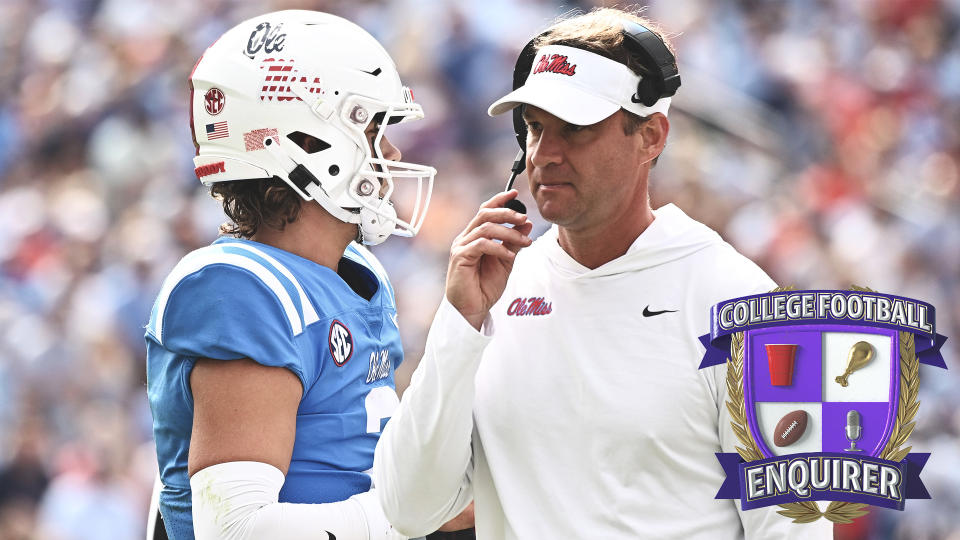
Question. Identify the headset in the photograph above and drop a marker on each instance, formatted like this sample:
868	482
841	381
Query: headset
661	80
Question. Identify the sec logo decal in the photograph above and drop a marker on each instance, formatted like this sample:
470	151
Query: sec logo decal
341	343
213	101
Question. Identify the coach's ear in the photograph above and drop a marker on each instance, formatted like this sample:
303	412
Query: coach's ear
653	133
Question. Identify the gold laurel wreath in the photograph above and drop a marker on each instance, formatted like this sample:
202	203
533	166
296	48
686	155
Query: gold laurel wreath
837	511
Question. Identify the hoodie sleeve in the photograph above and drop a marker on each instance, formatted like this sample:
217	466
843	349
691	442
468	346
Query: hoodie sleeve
423	465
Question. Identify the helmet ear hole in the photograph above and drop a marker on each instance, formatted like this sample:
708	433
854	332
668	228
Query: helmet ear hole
308	143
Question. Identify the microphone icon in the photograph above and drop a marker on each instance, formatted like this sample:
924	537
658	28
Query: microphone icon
854	430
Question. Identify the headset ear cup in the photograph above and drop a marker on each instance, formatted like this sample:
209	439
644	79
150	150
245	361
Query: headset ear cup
662	78
520	73
520	127
647	91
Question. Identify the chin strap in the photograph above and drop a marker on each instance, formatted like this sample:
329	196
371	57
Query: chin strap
374	228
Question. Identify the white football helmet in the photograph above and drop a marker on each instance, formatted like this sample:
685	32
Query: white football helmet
271	81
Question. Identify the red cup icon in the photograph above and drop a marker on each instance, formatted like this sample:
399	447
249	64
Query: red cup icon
780	357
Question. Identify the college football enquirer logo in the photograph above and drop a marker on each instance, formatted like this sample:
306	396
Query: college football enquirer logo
822	389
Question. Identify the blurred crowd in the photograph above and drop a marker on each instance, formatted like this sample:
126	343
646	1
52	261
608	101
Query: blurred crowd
820	137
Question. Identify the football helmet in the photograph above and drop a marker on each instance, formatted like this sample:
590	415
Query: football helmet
273	82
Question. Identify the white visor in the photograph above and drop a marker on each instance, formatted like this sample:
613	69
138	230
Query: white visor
578	86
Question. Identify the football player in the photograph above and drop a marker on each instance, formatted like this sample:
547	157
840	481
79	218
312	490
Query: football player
271	353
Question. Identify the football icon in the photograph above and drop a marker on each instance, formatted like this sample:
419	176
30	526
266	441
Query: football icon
790	428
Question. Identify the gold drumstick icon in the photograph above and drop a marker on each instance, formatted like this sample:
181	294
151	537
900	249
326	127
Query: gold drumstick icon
860	355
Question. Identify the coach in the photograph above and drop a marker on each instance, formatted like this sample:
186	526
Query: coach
566	400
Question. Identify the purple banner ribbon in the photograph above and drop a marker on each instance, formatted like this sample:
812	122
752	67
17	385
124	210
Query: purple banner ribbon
888	484
822	307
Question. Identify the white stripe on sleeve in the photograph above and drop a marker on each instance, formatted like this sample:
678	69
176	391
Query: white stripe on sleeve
198	260
309	313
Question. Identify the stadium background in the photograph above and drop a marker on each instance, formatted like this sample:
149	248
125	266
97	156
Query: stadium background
821	137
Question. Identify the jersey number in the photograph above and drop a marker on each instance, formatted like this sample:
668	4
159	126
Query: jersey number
380	403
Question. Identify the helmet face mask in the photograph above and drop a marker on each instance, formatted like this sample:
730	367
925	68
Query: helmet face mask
375	180
313	75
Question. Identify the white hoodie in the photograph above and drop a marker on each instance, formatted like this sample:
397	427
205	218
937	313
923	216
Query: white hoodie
590	417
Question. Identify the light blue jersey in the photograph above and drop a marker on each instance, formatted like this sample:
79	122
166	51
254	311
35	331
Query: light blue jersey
242	299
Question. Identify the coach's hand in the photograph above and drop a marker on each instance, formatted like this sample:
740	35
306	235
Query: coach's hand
479	264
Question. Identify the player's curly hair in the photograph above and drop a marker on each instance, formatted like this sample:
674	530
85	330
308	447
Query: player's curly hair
252	204
600	32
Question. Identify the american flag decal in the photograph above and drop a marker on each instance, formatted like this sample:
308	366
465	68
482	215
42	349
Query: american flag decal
217	130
